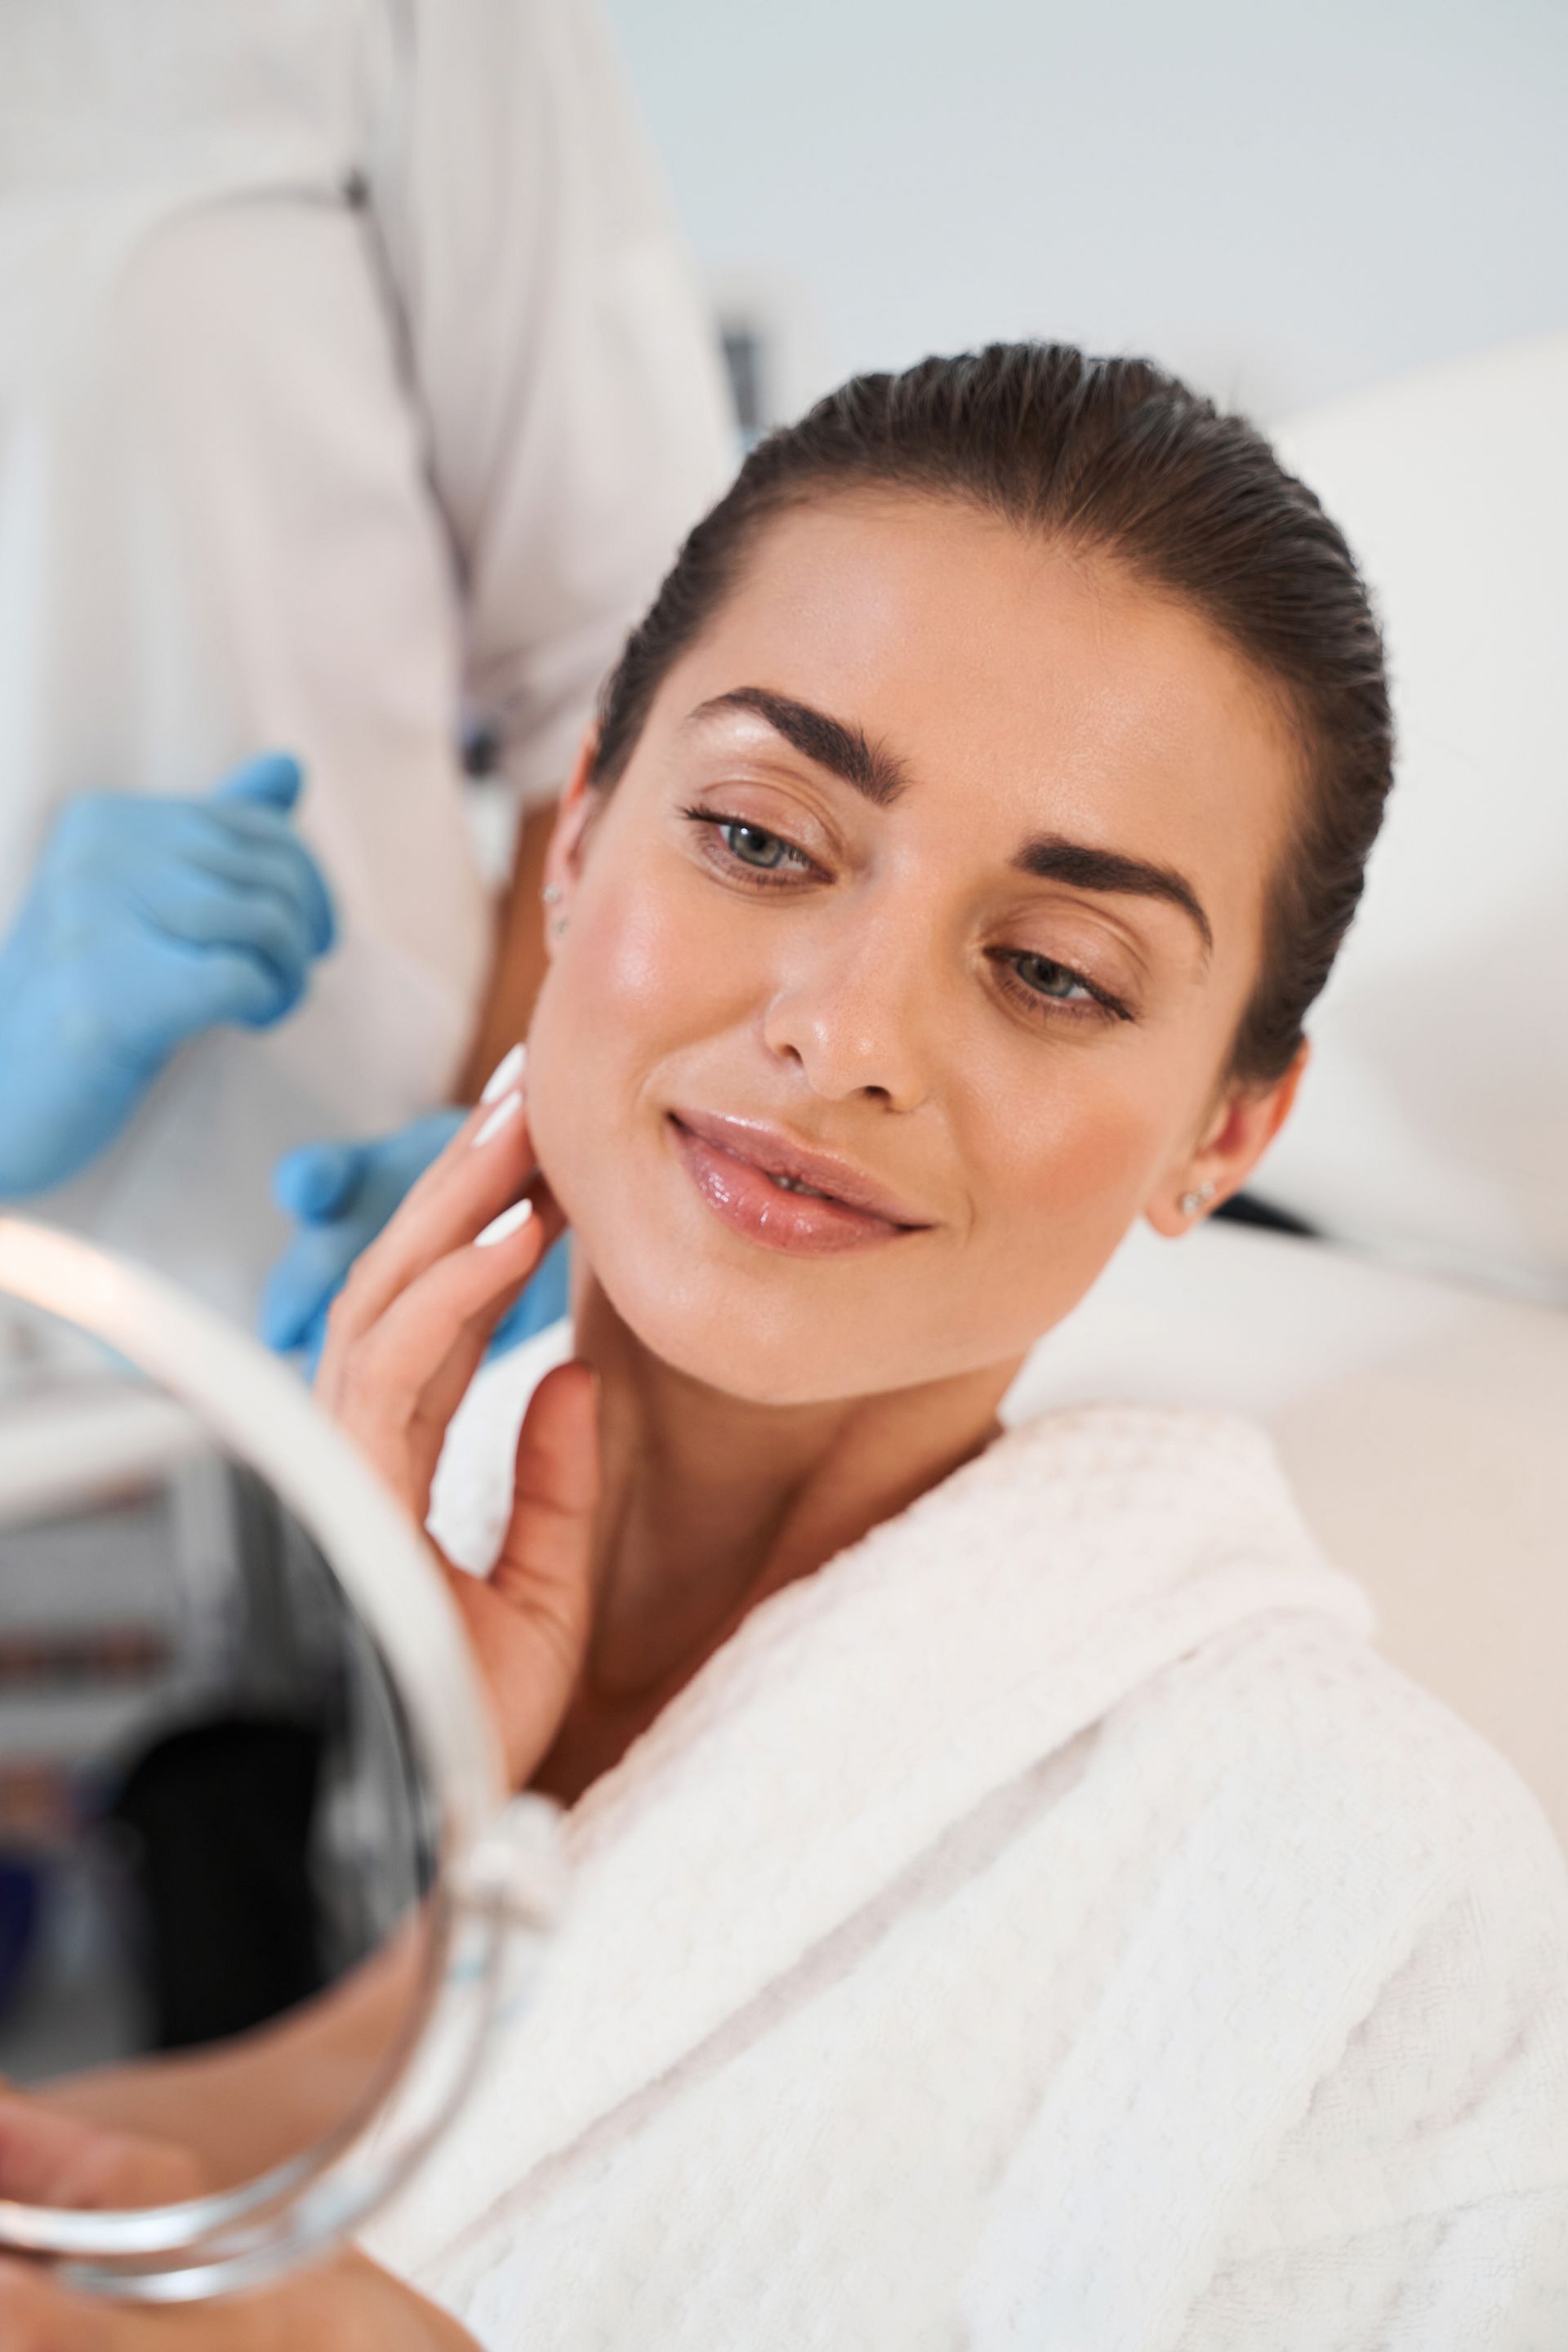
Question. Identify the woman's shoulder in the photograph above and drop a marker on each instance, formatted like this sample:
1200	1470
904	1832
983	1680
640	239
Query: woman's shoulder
1296	1699
1427	1881
1371	1782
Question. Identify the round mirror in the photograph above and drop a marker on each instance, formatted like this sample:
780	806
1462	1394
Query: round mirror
260	1898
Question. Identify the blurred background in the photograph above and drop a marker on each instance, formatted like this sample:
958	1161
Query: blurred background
1285	204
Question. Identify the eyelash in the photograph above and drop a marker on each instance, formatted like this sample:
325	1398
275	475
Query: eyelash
1104	1006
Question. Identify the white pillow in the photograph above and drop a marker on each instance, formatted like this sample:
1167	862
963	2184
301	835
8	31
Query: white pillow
1433	1125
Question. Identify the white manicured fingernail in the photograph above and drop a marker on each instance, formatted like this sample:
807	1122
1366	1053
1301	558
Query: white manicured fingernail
502	1228
507	1072
497	1119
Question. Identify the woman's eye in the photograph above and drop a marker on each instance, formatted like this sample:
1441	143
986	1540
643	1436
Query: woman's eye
1048	979
735	841
1040	982
753	845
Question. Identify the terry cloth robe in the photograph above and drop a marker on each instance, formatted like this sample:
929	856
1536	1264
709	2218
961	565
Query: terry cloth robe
1049	1924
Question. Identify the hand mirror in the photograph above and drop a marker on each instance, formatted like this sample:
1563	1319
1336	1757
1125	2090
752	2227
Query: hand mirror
260	1900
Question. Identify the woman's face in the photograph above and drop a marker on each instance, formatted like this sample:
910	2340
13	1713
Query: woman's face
936	882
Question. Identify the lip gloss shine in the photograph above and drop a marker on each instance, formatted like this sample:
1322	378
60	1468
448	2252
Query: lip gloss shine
751	1204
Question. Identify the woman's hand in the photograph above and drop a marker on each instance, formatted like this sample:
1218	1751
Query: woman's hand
347	2304
404	1337
50	2158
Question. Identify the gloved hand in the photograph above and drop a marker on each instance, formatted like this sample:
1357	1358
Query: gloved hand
147	920
343	1194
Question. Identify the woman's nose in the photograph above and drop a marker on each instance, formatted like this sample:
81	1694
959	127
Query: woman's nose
851	1010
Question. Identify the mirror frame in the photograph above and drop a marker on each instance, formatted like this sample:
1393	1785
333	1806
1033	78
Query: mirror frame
498	1871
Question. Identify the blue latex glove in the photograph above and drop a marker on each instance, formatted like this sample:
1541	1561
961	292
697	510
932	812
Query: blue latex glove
342	1194
146	921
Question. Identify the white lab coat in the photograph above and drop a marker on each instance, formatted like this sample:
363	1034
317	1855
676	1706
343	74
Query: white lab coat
1050	1924
351	378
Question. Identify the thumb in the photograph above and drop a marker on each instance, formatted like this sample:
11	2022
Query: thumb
529	1620
317	1181
273	780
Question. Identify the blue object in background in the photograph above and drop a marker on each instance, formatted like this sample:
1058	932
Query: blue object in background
340	1195
19	1889
146	921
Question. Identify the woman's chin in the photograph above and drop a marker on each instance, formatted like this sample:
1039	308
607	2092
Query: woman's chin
761	1352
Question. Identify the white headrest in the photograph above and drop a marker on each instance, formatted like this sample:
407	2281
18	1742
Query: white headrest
1434	1121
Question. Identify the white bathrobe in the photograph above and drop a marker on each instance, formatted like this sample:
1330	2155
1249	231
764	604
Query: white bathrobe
1051	1924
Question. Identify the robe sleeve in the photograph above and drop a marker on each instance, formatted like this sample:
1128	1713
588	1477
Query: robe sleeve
1421	2201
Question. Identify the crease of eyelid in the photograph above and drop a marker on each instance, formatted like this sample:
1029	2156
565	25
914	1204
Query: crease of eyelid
840	747
1103	1004
1123	949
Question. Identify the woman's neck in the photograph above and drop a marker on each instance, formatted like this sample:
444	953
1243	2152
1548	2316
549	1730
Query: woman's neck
710	1503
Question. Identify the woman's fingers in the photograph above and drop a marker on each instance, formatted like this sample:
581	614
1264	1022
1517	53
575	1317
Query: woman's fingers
405	1337
528	1618
52	2158
481	1172
397	1385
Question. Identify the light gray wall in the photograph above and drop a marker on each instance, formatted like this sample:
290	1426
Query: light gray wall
1287	202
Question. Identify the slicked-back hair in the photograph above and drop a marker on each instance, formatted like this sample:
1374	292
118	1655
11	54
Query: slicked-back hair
1114	457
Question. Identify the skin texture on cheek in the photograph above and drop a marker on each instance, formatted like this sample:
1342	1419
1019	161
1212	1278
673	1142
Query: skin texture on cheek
1070	1166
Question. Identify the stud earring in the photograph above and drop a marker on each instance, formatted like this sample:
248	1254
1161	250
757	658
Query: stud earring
550	894
1191	1203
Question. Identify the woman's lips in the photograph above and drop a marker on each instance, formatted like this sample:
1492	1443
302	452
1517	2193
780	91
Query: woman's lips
742	1193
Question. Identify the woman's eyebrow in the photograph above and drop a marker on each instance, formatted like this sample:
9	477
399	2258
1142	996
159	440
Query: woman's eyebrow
1053	858
845	751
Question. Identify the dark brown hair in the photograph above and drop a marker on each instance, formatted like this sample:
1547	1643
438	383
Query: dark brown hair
1111	456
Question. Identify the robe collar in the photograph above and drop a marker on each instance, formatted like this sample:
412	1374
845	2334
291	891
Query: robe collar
854	1717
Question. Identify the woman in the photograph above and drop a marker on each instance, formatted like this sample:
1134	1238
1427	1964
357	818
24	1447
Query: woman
1013	1901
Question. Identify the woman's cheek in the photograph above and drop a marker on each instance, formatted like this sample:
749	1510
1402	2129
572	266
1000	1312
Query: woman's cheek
617	999
1076	1145
629	952
1069	1180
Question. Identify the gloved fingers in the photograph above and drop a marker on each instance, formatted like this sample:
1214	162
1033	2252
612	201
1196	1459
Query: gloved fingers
302	1285
318	1181
100	836
256	845
344	1193
307	1349
271	780
235	984
192	908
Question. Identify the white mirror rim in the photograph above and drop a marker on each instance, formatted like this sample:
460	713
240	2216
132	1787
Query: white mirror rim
498	1883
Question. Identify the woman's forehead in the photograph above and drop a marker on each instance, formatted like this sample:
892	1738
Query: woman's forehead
1001	676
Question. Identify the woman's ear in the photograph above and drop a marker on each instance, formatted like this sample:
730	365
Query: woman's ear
1245	1123
563	858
